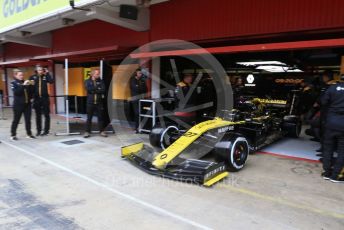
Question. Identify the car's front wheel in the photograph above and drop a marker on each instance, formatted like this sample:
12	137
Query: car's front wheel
162	137
233	149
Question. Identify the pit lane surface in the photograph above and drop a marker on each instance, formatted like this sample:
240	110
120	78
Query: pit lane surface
47	184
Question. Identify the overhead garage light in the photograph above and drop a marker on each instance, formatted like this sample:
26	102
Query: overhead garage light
271	66
257	63
278	69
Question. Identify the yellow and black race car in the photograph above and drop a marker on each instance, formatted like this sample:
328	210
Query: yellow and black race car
230	139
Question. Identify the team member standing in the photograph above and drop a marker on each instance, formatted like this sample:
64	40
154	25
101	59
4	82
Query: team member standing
138	90
21	104
41	101
95	102
333	138
184	104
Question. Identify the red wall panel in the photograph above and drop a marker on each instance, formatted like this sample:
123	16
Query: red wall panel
210	19
95	34
13	51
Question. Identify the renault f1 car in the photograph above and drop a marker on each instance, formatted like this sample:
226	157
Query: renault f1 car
257	123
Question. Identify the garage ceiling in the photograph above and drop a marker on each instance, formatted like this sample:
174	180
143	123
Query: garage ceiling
106	10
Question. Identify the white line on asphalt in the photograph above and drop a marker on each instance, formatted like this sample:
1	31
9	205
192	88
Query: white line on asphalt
104	186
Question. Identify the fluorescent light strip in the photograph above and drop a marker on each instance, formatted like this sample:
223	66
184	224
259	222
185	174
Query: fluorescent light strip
278	69
255	63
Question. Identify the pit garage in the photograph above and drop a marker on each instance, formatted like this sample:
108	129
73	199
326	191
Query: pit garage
297	76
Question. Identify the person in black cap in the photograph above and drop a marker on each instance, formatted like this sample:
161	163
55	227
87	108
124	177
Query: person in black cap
95	88
333	138
21	104
138	89
41	101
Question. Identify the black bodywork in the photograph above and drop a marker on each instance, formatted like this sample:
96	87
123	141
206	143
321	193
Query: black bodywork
262	124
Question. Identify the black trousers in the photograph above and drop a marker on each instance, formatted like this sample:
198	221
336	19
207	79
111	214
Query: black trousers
18	110
333	140
93	109
42	107
316	127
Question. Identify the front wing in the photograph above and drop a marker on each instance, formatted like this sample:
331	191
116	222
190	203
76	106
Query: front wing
201	172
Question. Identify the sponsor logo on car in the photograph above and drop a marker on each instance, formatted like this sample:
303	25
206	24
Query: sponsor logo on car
214	172
225	129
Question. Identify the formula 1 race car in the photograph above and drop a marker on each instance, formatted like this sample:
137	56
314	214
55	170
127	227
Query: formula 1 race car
253	125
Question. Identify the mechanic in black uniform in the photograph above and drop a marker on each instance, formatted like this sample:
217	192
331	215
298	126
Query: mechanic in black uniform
327	81
21	104
41	101
183	104
138	89
333	138
95	88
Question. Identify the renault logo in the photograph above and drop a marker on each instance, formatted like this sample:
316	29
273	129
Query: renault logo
250	78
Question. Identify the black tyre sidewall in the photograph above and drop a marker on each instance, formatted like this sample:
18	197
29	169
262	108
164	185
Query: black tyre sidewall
157	134
225	148
232	165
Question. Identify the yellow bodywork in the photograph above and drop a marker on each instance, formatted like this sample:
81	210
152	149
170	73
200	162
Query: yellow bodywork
131	149
216	179
268	101
166	156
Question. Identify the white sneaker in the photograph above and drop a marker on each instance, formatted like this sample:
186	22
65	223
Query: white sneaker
14	138
30	137
103	134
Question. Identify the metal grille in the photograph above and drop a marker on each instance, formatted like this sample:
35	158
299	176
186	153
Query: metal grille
72	142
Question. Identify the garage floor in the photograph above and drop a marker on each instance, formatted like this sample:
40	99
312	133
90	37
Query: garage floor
48	184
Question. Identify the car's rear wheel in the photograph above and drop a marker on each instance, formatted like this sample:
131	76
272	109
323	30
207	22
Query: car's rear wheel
292	125
233	150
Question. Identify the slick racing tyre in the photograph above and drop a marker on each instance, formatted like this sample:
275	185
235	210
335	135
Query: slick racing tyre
233	149
161	137
292	125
